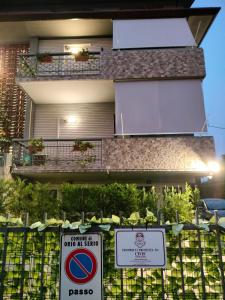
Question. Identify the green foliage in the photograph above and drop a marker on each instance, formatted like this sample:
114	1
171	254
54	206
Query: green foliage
178	202
18	197
111	199
35	145
82	146
5	138
133	279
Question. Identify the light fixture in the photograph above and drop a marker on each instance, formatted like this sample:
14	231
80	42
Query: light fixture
213	166
75	50
74	19
71	119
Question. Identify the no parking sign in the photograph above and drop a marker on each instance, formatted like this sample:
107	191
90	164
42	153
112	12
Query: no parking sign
81	267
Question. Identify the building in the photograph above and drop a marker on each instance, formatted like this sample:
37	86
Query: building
123	79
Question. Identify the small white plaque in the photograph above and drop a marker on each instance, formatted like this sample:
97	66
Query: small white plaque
140	248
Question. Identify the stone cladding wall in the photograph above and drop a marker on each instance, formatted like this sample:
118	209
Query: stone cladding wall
158	153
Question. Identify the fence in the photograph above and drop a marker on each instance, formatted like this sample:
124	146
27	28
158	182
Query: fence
195	266
59	152
57	64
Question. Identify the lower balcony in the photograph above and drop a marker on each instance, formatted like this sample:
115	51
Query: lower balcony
139	159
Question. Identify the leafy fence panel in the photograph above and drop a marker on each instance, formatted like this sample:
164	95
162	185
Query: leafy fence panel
195	266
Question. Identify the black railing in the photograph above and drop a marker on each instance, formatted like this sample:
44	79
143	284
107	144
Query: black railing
60	153
58	64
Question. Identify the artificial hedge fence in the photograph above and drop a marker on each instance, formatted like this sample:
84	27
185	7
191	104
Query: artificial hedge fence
195	260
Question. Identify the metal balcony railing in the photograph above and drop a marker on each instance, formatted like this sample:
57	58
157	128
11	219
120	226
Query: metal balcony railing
59	153
58	64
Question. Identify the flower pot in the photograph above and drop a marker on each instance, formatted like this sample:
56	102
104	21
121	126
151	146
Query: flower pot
38	159
81	57
34	149
45	59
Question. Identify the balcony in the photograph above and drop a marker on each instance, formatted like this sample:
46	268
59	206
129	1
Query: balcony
129	159
59	154
57	65
178	63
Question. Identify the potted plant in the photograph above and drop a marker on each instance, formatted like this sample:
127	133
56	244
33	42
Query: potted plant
82	55
44	58
34	147
82	146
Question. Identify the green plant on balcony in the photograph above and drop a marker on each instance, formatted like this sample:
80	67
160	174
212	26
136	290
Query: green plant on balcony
82	146
82	55
44	58
5	138
88	159
26	68
5	142
35	145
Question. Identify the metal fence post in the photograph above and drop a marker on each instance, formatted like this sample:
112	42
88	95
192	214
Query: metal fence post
24	256
160	217
221	266
4	261
142	285
200	256
181	259
121	270
43	260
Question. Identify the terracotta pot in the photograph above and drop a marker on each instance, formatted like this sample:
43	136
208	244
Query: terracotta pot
45	59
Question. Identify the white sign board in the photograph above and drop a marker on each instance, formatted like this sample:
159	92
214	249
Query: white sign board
81	267
140	248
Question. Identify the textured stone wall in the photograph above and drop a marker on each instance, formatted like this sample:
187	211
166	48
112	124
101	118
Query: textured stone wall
158	153
151	64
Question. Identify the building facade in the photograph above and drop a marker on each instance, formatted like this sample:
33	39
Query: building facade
113	90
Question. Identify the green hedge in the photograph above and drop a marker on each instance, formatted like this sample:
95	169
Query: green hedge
18	197
110	199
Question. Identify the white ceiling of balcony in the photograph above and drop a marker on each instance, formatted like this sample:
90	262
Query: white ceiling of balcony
23	31
70	91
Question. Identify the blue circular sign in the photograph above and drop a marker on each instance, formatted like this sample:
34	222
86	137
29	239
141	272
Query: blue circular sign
80	266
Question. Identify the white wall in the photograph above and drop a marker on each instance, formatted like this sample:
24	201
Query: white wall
153	33
94	120
58	44
159	107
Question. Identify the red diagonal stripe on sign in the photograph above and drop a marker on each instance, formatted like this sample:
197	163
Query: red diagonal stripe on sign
81	266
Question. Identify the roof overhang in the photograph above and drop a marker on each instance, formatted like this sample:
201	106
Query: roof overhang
67	12
24	6
200	19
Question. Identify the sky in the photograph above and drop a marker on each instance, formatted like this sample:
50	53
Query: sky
214	83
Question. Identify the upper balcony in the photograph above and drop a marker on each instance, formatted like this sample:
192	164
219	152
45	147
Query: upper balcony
109	64
58	65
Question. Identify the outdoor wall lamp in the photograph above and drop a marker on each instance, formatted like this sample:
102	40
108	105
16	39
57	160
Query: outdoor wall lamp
213	166
71	120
